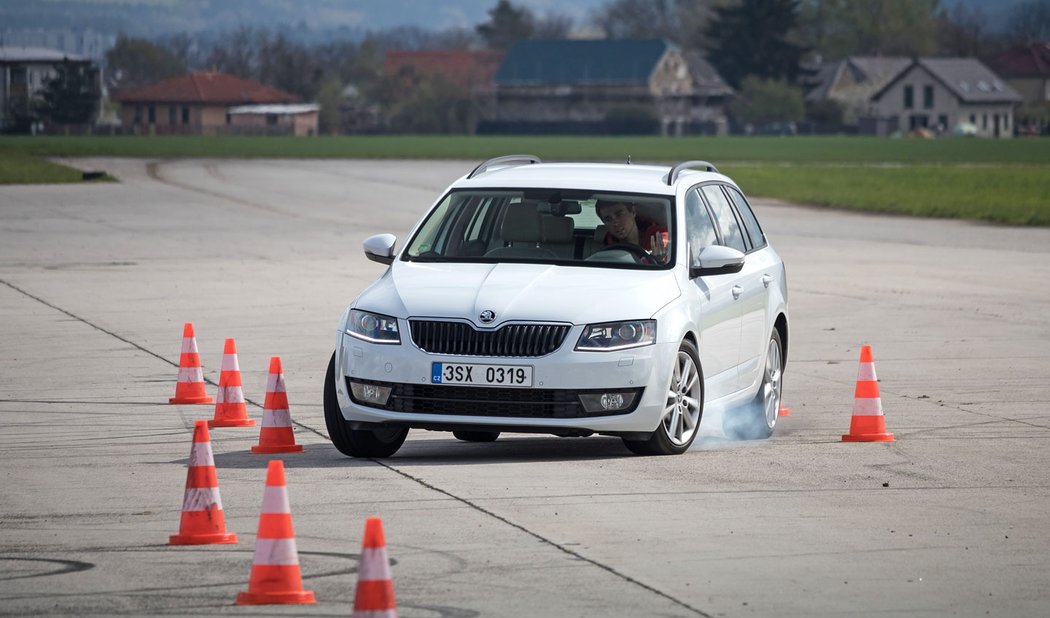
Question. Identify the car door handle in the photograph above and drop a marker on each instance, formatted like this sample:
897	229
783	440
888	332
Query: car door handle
766	280
737	291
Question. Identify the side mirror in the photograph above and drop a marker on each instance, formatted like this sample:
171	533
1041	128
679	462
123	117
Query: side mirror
718	260
380	248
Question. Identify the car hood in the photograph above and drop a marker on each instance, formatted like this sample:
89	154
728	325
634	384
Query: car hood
534	292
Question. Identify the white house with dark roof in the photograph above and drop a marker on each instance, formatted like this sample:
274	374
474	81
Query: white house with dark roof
946	93
852	81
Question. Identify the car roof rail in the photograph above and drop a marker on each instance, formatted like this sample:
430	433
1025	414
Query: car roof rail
520	159
678	169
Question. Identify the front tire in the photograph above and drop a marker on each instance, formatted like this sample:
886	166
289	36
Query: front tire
683	409
381	442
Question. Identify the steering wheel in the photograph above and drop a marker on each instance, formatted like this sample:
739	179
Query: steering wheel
640	255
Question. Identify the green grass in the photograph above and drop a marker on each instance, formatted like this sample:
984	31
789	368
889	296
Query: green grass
718	150
19	168
1011	194
1004	181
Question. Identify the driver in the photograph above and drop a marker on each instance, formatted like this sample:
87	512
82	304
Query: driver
625	225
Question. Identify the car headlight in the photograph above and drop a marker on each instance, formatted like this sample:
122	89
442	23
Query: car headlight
372	327
612	336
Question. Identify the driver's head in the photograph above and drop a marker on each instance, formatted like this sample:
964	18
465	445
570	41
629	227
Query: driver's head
618	218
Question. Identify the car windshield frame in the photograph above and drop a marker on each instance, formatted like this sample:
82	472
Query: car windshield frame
464	222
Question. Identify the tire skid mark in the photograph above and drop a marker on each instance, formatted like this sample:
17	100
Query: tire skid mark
153	170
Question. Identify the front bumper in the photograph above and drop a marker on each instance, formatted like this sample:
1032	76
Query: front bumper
551	404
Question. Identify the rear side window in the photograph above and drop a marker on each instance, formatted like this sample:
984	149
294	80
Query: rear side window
754	231
699	227
732	236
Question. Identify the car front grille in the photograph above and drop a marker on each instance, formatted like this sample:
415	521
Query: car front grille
489	401
459	338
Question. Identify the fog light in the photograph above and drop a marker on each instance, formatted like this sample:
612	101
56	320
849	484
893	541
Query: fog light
607	402
370	393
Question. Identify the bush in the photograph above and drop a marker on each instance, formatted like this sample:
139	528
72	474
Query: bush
767	101
631	120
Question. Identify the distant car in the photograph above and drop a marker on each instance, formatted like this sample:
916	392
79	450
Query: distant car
515	307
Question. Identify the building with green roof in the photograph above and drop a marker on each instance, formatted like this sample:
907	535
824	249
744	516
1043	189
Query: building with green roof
607	86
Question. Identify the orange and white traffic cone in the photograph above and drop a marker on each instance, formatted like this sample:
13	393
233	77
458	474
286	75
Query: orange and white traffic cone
276	435
190	387
375	587
230	409
203	522
868	423
275	578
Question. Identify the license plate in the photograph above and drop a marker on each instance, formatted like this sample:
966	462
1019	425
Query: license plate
481	375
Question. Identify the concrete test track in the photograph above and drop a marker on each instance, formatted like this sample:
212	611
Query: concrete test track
97	280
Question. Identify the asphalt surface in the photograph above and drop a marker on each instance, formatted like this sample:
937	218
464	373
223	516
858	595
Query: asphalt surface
95	284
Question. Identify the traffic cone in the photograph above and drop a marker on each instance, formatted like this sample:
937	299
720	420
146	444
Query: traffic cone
276	435
190	387
783	410
230	409
868	423
275	577
203	522
375	588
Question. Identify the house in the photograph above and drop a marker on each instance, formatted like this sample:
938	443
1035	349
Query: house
24	72
604	86
470	70
852	81
946	94
193	104
1027	69
298	119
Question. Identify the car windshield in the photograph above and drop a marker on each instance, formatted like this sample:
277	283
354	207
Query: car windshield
584	228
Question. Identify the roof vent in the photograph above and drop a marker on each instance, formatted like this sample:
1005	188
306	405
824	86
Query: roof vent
983	86
997	85
965	85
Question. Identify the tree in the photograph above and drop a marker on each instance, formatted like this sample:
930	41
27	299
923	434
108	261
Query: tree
72	95
1029	21
840	28
330	98
762	101
137	62
752	38
507	25
681	21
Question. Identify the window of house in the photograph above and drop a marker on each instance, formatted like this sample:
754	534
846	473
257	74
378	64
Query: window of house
185	115
271	119
138	114
984	120
172	114
942	120
152	114
973	119
909	97
927	97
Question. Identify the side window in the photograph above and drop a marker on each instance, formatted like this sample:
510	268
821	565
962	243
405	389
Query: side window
758	240
699	227
732	236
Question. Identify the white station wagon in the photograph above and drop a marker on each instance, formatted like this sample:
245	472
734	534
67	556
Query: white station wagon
568	299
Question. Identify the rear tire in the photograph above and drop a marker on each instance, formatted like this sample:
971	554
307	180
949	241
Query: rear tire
381	442
757	419
476	436
683	408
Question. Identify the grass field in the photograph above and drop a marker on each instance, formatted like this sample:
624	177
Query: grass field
1003	181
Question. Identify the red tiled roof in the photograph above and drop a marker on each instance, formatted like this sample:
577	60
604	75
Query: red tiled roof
1032	60
207	87
466	69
